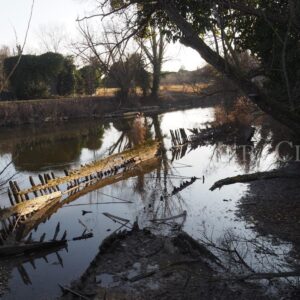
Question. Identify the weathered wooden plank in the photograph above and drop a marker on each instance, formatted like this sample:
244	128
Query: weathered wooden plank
15	192
27	207
140	153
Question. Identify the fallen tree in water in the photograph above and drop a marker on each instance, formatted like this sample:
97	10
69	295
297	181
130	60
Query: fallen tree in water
255	176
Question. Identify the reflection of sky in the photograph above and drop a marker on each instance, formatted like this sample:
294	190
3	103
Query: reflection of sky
204	208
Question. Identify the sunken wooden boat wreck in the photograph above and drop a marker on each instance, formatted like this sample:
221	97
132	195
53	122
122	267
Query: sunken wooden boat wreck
227	135
31	206
222	133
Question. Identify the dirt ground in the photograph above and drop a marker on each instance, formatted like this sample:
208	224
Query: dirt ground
273	206
140	265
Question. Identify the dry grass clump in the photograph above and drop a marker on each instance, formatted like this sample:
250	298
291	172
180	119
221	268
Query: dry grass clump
240	113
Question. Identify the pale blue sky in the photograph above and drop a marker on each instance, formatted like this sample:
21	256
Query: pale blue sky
15	13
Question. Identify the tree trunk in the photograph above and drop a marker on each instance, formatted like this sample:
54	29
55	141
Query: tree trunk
191	38
156	81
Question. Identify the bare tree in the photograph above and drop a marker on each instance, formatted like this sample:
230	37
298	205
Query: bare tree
115	56
4	83
154	46
52	38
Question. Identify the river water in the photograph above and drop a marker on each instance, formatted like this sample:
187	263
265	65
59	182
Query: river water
34	150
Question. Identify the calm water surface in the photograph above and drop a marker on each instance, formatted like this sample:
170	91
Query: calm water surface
59	147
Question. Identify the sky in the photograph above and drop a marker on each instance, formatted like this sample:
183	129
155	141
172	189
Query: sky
14	16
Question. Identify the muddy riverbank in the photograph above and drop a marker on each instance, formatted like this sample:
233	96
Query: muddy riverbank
139	265
36	112
273	208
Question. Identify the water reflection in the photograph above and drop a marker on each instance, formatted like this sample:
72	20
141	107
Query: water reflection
34	149
148	191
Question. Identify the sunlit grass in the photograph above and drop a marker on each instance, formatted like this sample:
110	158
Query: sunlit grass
184	88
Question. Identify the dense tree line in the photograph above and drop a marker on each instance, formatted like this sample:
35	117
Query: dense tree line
52	74
49	74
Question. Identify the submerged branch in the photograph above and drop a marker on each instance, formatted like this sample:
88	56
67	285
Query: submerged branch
253	177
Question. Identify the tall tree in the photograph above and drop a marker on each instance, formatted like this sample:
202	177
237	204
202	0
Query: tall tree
153	44
127	74
88	79
114	57
268	29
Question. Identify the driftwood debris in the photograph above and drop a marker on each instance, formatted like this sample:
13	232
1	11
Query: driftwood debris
253	177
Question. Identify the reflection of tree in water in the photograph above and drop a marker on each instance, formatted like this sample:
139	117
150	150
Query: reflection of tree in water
154	188
255	257
57	151
133	132
242	114
94	138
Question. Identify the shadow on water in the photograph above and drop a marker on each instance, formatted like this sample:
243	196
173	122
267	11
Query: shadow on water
177	184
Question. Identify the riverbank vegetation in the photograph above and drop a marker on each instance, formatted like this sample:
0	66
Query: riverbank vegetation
224	31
